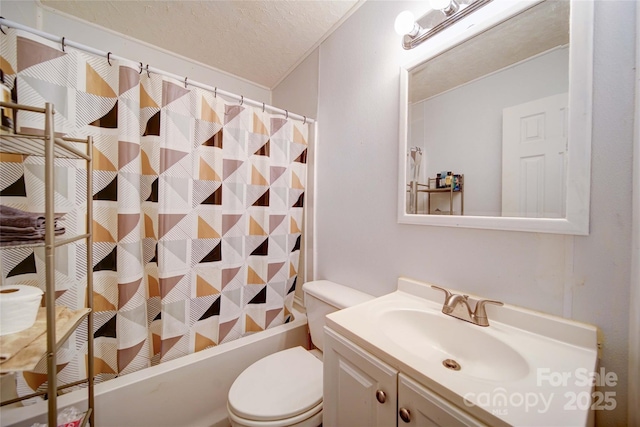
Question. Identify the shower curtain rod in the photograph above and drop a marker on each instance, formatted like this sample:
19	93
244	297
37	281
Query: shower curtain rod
149	69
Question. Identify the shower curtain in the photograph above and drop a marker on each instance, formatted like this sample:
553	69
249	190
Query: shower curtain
197	208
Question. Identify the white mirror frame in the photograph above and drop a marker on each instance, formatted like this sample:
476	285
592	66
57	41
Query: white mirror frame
578	189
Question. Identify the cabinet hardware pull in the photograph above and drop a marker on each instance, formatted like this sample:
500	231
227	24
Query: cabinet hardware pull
381	396
405	415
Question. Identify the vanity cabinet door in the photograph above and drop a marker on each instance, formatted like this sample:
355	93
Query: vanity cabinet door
418	406
359	389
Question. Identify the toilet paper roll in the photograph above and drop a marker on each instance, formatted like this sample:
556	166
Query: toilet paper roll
18	307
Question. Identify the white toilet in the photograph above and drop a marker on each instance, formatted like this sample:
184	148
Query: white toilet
285	388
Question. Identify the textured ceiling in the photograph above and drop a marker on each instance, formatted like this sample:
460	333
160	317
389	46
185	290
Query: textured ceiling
260	41
538	29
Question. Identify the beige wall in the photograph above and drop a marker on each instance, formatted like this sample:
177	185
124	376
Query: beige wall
634	309
360	243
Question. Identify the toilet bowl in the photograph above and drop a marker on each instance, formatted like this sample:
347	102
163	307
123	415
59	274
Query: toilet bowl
282	389
285	388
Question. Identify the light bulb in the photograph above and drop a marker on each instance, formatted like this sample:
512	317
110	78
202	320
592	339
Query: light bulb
439	4
405	23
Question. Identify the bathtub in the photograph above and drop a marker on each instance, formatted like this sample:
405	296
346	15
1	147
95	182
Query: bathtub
189	391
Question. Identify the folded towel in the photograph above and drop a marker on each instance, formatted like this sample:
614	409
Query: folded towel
22	240
20	227
13	217
28	231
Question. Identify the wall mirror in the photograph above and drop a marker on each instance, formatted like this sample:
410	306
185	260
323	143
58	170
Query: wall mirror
495	122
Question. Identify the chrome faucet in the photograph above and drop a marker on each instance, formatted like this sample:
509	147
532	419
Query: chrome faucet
457	305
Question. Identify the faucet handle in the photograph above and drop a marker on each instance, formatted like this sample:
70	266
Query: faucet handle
480	310
447	294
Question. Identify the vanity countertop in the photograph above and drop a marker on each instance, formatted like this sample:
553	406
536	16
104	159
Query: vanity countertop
526	368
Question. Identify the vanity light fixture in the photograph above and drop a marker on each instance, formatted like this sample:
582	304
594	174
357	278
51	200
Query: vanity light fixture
448	7
406	24
444	13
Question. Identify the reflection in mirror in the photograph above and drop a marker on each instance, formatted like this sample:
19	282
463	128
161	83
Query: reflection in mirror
500	106
487	124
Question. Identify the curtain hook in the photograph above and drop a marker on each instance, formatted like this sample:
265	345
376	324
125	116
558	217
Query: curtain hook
63	44
304	122
148	73
241	99
109	58
286	115
215	92
185	82
141	68
263	107
2	17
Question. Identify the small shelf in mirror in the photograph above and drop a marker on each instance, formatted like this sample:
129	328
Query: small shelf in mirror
433	190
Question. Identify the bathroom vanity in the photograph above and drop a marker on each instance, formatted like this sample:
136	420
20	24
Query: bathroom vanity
399	360
366	391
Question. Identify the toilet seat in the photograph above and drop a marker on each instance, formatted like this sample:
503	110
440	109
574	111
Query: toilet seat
283	388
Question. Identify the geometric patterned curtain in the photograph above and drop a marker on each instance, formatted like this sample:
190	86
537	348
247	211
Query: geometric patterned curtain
197	208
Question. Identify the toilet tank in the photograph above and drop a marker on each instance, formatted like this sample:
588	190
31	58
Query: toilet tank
322	297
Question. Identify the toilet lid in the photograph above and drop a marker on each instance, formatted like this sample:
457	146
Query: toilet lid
281	385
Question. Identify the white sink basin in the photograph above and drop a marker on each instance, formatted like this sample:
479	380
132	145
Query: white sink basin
504	367
437	337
